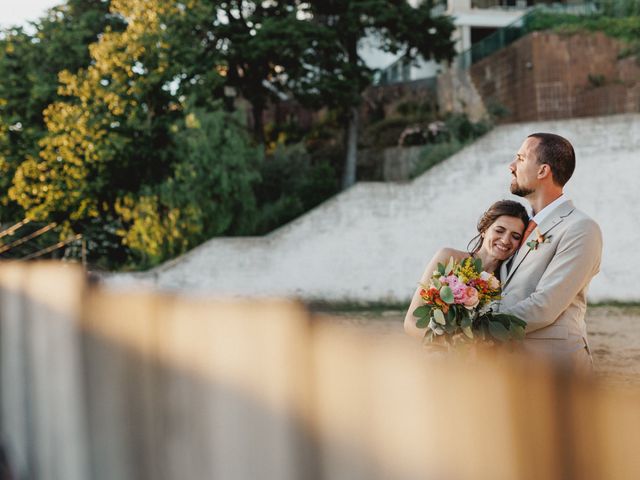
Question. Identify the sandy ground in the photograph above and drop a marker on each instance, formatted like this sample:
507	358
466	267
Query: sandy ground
614	336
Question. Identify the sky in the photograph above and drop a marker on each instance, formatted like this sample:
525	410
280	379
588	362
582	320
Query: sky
19	12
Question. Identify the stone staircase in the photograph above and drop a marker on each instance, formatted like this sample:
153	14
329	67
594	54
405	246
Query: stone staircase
371	243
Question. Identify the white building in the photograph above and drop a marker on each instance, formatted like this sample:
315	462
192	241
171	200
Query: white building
474	21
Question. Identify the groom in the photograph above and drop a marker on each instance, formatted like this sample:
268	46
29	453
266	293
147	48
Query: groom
546	282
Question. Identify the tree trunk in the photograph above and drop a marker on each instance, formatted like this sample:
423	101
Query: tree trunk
351	160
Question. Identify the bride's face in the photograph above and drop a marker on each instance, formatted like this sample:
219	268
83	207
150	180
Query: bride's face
503	237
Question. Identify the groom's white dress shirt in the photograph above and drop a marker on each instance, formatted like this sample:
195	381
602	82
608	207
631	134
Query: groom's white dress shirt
542	214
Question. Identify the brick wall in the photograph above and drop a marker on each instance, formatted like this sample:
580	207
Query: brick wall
546	76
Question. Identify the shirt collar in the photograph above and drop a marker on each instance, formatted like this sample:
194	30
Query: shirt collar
544	213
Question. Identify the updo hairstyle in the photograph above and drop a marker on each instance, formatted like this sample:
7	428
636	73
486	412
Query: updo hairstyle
510	208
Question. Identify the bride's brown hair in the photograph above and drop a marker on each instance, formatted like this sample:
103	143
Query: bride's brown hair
510	208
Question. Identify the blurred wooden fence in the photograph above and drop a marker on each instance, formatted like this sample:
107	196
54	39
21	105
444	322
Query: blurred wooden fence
134	386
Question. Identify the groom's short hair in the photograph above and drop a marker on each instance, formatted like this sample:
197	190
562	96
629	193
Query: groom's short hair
558	153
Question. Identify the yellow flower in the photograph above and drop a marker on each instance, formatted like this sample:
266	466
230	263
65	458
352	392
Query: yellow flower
467	270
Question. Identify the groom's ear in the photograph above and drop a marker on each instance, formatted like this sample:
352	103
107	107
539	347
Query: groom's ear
544	171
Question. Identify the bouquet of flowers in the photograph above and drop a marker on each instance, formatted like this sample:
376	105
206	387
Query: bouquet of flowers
457	306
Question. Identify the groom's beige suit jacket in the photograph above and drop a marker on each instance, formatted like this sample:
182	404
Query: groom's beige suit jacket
547	286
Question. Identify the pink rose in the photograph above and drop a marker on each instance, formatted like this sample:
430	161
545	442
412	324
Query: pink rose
471	299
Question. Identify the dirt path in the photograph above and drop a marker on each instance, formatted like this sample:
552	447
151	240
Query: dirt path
614	336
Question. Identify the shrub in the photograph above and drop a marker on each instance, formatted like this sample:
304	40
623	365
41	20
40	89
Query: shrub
434	154
209	192
459	132
291	184
385	133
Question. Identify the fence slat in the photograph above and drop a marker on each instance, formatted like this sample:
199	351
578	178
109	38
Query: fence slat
42	319
212	390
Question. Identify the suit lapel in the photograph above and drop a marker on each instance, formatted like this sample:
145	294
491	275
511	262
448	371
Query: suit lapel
548	224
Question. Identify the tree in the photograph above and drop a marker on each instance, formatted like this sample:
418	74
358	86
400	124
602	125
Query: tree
116	136
310	49
208	193
29	66
341	74
264	46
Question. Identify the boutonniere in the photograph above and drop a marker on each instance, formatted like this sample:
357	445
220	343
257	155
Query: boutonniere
540	238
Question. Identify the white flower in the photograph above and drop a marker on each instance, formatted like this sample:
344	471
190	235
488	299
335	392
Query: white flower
435	328
491	280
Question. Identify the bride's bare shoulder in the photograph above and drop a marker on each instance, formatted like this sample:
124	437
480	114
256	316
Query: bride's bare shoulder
444	254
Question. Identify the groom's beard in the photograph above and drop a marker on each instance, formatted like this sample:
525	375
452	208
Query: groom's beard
521	191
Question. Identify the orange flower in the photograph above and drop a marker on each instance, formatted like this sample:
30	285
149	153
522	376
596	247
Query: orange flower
441	304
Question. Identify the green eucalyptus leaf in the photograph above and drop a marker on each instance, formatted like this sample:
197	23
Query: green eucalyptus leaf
498	331
449	266
477	264
438	317
451	314
446	294
436	283
507	319
422	322
422	311
517	332
441	268
467	331
465	322
502	318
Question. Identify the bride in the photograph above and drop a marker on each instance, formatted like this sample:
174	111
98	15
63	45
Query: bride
500	231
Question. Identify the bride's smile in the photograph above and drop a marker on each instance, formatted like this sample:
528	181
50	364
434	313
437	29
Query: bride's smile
501	239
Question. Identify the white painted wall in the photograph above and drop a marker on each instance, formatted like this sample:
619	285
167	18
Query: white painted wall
372	242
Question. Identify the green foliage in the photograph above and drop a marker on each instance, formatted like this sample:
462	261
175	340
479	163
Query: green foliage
625	28
459	132
459	127
399	27
462	325
29	65
291	183
446	294
339	75
596	80
209	192
420	111
111	135
434	154
384	133
619	8
268	50
111	120
497	110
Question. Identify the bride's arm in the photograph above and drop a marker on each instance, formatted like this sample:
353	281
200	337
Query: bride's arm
441	256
